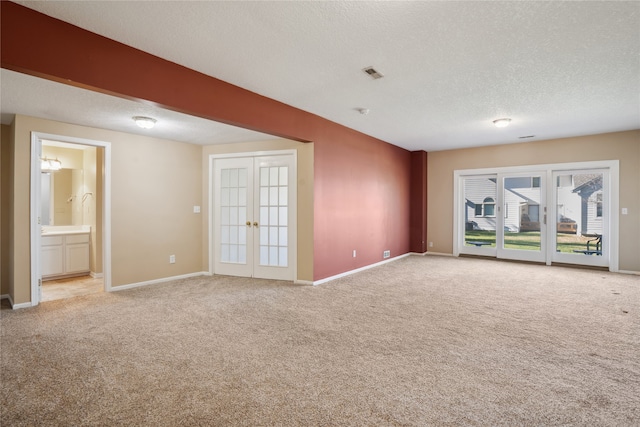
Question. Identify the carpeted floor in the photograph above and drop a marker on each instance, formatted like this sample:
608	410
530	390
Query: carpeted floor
417	342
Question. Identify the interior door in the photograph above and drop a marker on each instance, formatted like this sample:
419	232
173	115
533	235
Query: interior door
521	216
233	216
254	217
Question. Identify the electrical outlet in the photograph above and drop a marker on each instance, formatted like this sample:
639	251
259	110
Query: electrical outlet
196	209
354	253
386	254
430	244
172	259
625	211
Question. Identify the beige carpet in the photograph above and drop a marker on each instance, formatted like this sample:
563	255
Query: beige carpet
421	341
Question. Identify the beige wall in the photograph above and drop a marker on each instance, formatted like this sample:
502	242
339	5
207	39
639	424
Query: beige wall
5	180
305	195
154	185
622	146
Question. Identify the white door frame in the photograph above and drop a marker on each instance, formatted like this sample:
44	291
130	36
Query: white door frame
211	219
35	227
613	167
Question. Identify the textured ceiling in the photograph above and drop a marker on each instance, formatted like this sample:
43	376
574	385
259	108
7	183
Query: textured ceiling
556	69
22	94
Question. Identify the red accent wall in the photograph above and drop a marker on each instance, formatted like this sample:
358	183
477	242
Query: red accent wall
418	217
361	202
362	185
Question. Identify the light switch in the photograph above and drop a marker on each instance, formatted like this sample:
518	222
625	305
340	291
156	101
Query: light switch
196	209
624	211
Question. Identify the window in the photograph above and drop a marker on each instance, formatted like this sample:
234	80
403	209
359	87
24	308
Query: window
489	206
599	205
535	182
478	209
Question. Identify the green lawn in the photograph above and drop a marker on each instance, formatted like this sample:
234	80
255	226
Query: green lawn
528	240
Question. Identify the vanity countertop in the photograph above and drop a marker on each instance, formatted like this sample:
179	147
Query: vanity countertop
60	230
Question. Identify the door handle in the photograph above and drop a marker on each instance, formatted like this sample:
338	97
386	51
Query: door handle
255	224
248	223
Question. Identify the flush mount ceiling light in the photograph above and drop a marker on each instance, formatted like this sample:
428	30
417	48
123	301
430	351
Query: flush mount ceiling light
363	111
501	123
50	165
144	122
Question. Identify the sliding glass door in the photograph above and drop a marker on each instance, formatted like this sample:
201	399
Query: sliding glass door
523	216
504	216
540	214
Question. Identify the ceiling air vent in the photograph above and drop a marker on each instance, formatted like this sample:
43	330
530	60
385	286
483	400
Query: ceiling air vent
373	73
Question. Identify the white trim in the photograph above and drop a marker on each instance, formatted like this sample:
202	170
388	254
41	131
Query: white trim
303	282
18	306
96	275
5	296
156	281
437	253
36	137
358	270
632	272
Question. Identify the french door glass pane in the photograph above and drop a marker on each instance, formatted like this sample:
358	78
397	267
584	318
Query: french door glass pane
233	207
480	194
522	215
273	213
579	204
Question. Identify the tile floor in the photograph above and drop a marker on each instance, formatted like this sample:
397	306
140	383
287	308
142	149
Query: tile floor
71	287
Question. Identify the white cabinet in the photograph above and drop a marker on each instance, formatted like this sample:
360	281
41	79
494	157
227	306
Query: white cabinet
65	255
52	255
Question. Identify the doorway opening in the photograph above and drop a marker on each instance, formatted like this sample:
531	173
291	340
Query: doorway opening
70	217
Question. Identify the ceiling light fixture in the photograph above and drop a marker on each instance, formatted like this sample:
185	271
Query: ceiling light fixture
501	123
363	111
144	122
50	165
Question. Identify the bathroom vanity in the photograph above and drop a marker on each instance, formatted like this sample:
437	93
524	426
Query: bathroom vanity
65	251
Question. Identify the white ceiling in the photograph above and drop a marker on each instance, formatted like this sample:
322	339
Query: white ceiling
557	69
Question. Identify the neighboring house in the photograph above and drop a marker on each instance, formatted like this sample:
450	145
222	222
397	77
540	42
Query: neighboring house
522	204
580	204
588	187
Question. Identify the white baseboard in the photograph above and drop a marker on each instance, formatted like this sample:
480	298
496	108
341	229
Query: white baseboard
418	253
155	281
303	282
96	275
439	254
357	270
429	253
635	273
15	306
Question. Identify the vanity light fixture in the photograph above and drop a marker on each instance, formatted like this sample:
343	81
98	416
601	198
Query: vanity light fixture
144	122
501	123
50	165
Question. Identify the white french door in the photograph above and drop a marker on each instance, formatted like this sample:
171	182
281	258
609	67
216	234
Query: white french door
549	213
254	216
